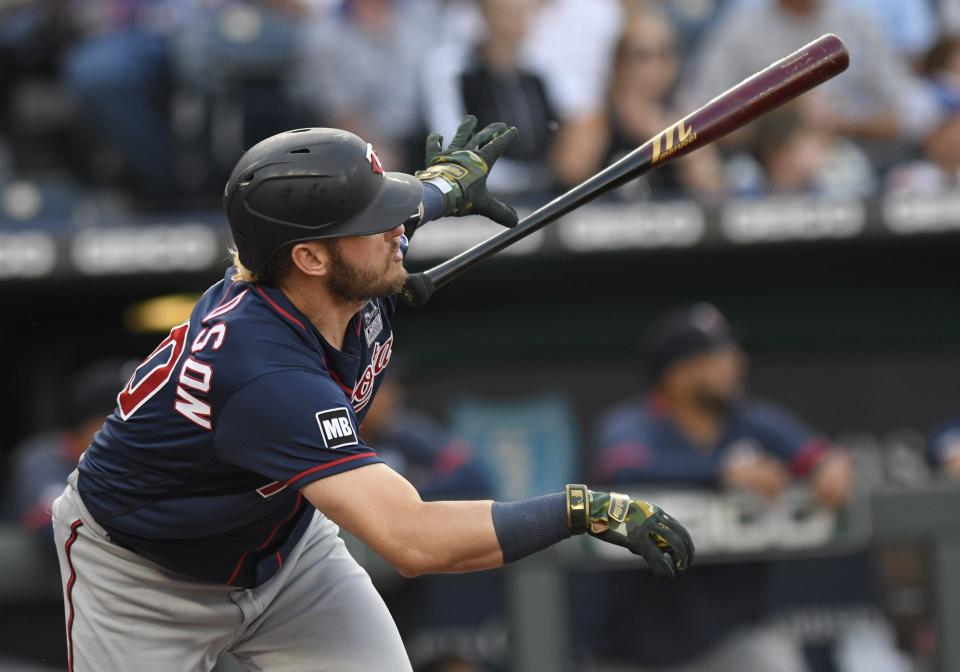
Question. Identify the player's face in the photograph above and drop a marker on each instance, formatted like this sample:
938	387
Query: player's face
717	378
364	267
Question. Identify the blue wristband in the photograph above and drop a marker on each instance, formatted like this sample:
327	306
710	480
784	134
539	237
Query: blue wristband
530	525
432	203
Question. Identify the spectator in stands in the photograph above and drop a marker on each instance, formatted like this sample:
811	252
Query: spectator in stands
41	463
877	99
791	155
696	429
360	72
118	71
134	56
439	465
939	168
909	26
645	68
494	85
542	81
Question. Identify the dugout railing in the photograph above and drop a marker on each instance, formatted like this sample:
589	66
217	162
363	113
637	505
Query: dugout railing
536	589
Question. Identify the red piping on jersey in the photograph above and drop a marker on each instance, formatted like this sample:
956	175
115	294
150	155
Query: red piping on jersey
273	533
278	308
330	465
622	455
809	456
335	378
279	560
70	583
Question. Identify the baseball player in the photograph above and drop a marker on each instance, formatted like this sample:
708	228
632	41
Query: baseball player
697	428
203	518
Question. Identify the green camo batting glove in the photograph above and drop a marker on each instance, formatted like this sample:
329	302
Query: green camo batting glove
634	524
460	172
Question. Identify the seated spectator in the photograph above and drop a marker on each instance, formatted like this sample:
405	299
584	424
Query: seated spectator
791	155
645	67
41	463
909	26
133	56
360	71
877	99
494	86
939	168
695	428
118	72
572	85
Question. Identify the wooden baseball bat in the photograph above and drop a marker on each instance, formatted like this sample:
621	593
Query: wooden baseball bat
781	82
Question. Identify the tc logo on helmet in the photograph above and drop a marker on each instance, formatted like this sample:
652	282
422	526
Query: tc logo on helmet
374	160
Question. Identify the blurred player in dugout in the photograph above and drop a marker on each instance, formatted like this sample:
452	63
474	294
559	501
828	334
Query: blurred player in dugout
40	463
695	428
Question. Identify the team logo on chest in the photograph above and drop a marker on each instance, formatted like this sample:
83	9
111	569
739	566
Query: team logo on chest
336	429
379	358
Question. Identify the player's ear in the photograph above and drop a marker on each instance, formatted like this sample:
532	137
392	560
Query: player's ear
311	257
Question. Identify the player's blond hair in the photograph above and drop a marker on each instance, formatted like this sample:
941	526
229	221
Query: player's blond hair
278	268
240	272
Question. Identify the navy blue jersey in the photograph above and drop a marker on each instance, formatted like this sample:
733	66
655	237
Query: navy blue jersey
38	471
439	465
639	442
200	466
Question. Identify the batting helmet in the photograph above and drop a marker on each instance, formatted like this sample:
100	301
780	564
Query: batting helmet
308	184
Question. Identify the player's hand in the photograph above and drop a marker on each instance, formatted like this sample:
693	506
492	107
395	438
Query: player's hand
832	480
761	474
634	524
460	172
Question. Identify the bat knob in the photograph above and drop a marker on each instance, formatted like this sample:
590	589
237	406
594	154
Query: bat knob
417	290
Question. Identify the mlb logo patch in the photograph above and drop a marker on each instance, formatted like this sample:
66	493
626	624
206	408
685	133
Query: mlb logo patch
372	322
336	429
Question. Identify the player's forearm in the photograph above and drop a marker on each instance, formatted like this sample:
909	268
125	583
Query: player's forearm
469	536
450	537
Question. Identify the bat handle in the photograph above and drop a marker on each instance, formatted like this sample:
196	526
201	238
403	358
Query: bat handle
418	289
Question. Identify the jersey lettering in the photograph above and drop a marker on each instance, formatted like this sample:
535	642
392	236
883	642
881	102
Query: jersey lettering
196	375
363	391
193	409
336	428
153	373
217	332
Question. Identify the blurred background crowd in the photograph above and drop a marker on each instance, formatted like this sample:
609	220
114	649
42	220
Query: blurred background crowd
524	376
145	104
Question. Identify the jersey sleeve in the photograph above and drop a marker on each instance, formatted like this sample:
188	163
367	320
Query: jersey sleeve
291	426
624	452
786	437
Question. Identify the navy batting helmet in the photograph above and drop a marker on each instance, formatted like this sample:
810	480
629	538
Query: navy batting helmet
308	184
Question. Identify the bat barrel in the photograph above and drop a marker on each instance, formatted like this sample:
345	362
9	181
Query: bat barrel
777	84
